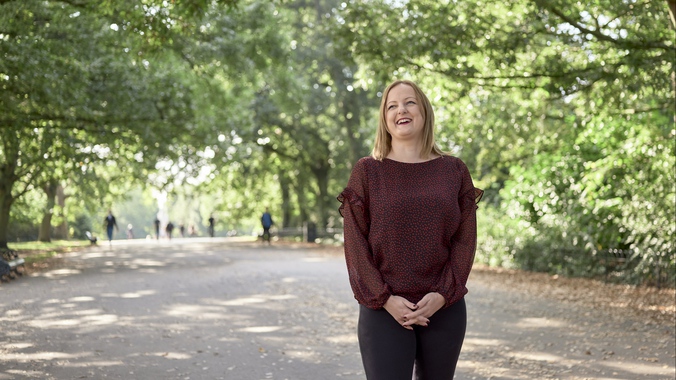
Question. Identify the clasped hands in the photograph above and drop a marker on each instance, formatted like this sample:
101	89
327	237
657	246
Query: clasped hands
407	313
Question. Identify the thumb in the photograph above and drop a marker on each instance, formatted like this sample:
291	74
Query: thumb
424	301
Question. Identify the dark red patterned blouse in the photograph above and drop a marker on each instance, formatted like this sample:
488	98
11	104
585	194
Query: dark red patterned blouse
410	229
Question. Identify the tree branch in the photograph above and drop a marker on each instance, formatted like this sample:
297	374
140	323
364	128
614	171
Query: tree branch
602	37
565	74
86	124
672	12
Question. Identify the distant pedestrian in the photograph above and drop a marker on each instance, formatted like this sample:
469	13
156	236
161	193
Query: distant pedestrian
266	221
130	231
169	229
212	222
157	228
110	224
181	229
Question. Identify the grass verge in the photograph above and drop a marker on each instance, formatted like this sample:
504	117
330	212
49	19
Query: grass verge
35	251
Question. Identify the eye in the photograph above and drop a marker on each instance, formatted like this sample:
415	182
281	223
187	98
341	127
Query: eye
410	102
390	107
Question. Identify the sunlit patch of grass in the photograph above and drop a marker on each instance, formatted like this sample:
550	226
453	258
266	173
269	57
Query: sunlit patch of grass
34	258
35	251
42	246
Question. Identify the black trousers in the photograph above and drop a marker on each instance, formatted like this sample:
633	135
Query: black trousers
391	352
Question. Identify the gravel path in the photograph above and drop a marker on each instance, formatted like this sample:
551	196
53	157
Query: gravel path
227	309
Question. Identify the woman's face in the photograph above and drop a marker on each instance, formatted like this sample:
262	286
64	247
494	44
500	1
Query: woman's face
403	114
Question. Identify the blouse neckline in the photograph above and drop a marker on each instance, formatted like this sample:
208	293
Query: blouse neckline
412	163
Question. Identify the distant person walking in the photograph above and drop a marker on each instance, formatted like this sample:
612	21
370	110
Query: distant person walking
110	224
212	222
181	229
266	221
130	231
169	228
157	228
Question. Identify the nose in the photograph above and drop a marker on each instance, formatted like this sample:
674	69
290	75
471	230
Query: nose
402	108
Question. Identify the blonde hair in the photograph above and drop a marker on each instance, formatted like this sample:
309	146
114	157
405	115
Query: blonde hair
383	143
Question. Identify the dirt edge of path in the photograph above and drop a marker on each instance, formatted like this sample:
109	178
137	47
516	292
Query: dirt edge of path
653	305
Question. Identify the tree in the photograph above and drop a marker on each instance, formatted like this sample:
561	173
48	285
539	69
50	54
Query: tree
306	112
554	105
309	117
75	95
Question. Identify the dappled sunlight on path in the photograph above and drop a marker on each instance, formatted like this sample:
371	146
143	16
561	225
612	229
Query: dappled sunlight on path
204	311
529	334
238	310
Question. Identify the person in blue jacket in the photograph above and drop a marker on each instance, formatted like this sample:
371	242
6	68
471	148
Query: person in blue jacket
266	221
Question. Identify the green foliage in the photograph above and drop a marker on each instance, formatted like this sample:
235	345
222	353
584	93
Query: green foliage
292	151
81	93
562	109
26	215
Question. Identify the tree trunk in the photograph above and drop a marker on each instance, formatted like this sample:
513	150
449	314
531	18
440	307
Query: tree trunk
352	106
284	184
61	231
6	201
45	233
302	200
321	173
672	13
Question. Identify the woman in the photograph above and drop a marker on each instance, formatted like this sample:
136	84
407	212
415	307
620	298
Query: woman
410	234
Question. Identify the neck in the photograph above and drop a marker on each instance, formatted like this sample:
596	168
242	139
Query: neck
405	151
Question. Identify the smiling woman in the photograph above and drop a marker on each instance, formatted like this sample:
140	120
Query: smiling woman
404	116
399	139
410	235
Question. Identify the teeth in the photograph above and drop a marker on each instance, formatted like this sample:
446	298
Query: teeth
403	121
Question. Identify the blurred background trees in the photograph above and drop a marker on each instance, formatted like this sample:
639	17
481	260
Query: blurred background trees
564	111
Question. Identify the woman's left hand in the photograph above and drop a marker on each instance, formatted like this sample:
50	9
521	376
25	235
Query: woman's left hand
427	306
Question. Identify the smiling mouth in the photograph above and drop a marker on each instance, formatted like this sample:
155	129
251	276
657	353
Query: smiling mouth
403	121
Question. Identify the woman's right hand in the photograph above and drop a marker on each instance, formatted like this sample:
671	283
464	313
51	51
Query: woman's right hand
398	307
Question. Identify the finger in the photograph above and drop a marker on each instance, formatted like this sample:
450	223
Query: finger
417	319
421	321
409	304
425	311
413	315
426	300
423	302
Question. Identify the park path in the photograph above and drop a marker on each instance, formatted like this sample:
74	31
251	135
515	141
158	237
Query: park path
227	309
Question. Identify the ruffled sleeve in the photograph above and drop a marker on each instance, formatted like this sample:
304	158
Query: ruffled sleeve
463	242
349	198
365	279
478	195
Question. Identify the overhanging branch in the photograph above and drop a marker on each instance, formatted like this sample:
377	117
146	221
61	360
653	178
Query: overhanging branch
602	37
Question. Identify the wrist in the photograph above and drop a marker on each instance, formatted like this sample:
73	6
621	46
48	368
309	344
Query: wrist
441	299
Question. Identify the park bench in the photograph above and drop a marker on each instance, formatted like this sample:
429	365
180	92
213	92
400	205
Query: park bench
92	239
309	232
614	260
11	265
